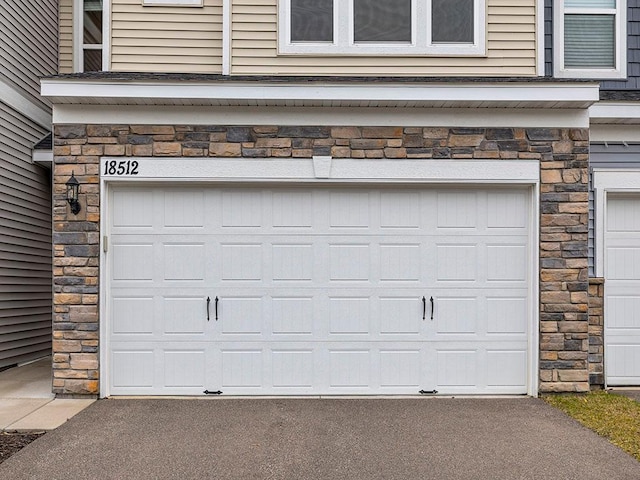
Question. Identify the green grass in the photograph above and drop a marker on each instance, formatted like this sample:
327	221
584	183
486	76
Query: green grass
612	416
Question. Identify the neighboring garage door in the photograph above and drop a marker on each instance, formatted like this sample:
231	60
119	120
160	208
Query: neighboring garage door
318	290
622	290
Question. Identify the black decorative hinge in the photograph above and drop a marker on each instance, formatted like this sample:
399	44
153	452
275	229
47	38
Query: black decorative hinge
428	392
207	392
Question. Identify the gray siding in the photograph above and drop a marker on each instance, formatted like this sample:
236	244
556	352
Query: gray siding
25	243
607	156
28	44
633	47
548	38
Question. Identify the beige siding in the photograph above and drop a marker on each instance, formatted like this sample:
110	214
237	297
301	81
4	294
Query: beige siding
25	243
166	39
65	36
28	44
511	47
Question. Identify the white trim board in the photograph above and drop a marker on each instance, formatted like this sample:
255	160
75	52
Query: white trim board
316	169
515	95
540	50
346	171
614	133
13	98
605	181
339	116
615	112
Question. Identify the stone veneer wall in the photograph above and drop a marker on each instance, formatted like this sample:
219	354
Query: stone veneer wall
596	332
563	156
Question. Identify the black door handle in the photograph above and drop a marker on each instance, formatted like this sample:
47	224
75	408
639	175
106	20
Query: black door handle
431	300
208	302
216	309
424	308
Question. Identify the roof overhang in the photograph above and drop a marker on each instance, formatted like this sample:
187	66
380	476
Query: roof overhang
615	112
298	92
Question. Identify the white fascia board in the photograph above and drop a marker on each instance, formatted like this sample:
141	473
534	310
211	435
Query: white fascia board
610	112
312	116
341	170
24	105
614	133
499	92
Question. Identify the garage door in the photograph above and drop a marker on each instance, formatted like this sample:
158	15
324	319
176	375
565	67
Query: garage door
622	290
318	290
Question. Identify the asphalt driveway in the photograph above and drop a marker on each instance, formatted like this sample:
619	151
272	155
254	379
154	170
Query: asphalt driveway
431	438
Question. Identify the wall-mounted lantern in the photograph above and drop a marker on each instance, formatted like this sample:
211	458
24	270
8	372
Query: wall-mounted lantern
73	188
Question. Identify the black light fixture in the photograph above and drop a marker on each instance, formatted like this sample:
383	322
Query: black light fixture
73	188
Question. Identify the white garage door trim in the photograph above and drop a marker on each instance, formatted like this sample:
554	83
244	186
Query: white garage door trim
320	170
608	184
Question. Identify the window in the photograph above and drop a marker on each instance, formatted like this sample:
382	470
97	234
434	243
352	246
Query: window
590	39
375	27
88	35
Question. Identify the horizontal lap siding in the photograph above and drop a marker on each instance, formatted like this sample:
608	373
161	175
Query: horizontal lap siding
65	38
28	44
510	38
166	39
25	243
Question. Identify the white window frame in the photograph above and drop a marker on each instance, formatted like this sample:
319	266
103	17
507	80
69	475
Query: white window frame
78	36
172	3
620	70
343	33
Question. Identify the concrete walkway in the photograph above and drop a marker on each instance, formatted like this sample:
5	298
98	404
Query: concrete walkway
26	401
346	439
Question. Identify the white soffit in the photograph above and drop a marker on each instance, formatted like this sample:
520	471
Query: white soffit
356	94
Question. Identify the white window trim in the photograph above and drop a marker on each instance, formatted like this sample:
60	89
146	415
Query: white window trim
172	3
78	38
620	71
343	43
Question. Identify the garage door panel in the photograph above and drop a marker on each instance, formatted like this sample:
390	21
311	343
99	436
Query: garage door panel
623	214
133	262
132	315
400	210
456	262
504	210
507	368
349	210
457	209
623	263
132	208
507	315
241	315
507	263
399	262
400	316
291	315
242	208
456	315
622	360
183	261
184	315
184	208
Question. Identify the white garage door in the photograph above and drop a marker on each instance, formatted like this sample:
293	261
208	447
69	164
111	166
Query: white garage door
318	290
622	290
